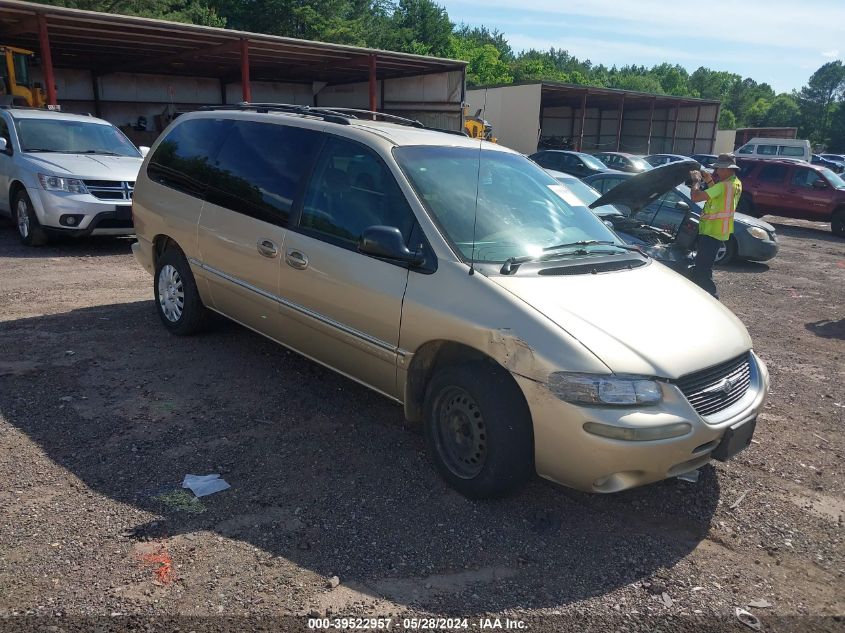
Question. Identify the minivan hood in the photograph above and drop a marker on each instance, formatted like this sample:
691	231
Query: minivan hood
90	166
637	191
648	321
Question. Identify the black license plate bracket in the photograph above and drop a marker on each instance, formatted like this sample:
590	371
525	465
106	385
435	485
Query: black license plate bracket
736	439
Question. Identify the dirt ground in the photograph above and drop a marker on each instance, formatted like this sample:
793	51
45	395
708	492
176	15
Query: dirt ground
102	413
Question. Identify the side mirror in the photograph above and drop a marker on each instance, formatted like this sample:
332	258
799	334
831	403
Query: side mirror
387	242
682	206
819	184
144	150
4	145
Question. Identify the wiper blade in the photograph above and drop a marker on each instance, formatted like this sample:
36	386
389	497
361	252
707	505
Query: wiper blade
41	149
549	251
96	151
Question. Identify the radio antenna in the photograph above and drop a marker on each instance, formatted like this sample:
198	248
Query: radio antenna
477	186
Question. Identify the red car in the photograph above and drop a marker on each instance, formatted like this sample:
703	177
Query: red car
792	189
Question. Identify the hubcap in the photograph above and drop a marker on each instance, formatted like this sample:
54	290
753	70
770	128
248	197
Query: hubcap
171	293
23	219
461	435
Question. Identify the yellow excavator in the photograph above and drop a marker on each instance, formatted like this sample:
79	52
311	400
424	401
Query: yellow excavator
16	87
476	127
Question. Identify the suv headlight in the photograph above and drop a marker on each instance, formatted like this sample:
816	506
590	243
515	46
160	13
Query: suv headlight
757	232
58	183
604	389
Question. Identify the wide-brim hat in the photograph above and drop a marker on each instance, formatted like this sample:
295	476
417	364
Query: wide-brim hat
725	161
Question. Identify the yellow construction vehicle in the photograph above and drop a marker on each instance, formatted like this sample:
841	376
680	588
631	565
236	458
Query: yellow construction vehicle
16	87
476	127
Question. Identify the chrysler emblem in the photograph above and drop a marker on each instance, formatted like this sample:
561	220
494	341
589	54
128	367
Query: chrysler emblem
726	386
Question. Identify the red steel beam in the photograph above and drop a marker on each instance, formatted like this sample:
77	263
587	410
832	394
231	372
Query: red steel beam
650	126
695	131
619	122
675	128
46	59
373	97
245	87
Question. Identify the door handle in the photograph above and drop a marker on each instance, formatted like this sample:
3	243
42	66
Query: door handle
297	260
267	248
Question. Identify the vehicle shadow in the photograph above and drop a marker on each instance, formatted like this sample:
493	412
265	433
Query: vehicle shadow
744	266
827	328
324	472
58	246
806	232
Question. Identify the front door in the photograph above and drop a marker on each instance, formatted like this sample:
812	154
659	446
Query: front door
254	180
343	308
810	195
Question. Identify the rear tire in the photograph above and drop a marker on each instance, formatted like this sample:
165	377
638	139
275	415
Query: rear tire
29	229
176	296
837	223
479	431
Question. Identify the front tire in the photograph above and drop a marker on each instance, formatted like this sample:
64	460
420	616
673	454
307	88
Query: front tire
29	229
176	296
479	430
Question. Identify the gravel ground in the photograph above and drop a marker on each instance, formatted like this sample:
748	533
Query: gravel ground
102	413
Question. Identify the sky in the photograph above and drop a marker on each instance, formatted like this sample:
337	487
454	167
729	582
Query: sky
780	42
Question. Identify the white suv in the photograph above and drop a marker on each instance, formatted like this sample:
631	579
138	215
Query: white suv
65	174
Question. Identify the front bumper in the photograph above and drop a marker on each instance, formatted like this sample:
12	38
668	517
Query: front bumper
565	453
91	216
756	250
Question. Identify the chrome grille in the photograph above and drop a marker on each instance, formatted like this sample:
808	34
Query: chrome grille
716	388
110	189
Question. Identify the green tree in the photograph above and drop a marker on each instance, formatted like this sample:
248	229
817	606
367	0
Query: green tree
727	120
783	112
190	11
484	63
817	100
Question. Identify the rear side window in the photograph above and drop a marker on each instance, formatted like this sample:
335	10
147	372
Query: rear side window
789	150
773	173
767	150
259	169
182	160
547	160
352	189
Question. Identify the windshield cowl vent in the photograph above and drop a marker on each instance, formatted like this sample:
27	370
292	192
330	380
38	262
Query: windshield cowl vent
594	268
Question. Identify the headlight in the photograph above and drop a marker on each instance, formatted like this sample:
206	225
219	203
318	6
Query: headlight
642	434
757	232
57	183
604	389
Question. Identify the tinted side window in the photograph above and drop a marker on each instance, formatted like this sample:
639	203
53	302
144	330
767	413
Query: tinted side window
773	173
259	169
352	189
805	177
546	159
748	149
4	133
182	160
767	150
789	150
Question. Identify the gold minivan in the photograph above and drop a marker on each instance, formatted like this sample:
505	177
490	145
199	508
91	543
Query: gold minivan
455	277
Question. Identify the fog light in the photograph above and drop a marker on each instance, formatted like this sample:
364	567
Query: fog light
638	434
70	220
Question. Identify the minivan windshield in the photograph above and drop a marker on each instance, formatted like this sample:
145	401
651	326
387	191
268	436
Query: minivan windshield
73	137
521	209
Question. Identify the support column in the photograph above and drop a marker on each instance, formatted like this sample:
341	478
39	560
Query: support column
373	84
619	122
46	59
95	87
583	119
695	130
715	128
650	126
675	128
246	89
598	131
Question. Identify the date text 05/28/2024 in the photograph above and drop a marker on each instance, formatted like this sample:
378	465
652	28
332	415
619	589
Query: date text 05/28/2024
416	624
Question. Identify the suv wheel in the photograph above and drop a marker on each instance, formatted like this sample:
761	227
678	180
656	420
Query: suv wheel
177	299
837	223
478	430
727	253
29	229
746	206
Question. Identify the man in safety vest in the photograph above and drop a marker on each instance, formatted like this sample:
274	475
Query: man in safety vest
717	219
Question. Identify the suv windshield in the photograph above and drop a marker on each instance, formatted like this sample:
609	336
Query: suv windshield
521	208
73	137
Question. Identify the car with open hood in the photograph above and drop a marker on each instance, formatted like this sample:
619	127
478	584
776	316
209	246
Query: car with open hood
455	277
659	199
65	174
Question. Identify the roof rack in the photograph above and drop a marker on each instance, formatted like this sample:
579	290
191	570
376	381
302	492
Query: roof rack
333	115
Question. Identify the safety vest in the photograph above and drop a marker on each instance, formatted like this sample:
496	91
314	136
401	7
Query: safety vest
717	219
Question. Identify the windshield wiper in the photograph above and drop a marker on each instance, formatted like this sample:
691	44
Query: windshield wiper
508	266
41	149
96	151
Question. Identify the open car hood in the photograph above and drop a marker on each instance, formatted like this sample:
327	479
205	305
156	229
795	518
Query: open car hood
637	191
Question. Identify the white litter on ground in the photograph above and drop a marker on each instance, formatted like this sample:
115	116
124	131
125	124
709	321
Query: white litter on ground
204	485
